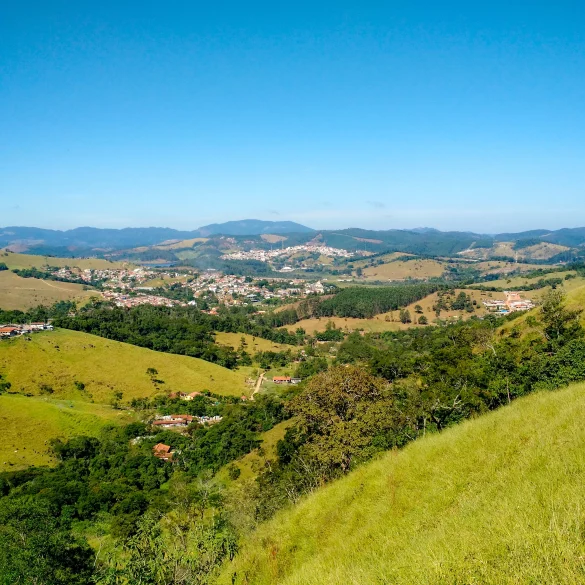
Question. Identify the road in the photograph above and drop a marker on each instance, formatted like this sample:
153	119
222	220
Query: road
258	385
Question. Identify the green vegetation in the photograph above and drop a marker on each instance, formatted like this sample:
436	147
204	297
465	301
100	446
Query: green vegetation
63	360
27	424
497	500
181	330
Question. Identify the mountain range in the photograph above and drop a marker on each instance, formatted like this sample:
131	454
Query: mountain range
422	240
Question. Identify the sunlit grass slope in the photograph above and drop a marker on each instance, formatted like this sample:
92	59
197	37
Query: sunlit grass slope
59	358
497	500
17	293
27	424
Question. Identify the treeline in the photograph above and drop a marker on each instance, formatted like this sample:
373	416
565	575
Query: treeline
46	275
37	314
359	302
180	330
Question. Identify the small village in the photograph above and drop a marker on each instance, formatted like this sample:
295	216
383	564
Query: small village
131	287
14	330
512	303
267	255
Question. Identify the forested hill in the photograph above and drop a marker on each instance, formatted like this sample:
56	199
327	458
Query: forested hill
94	241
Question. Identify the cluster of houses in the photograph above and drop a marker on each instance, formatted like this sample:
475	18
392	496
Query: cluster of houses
267	255
126	300
286	380
175	421
513	302
24	329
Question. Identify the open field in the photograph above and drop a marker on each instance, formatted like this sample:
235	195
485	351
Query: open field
163	280
59	358
17	293
400	270
27	424
254	344
30	261
493	501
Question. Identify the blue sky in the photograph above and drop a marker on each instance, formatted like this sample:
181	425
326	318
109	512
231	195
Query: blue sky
455	115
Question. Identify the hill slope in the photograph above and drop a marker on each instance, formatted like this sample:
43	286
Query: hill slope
17	293
493	501
28	423
59	358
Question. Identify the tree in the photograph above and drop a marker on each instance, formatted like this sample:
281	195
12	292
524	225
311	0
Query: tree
405	316
560	324
4	384
36	549
422	320
340	412
418	309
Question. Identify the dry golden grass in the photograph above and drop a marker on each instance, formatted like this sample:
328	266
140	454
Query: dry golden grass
401	270
253	344
542	251
17	293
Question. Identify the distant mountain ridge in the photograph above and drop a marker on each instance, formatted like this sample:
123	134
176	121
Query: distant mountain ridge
93	238
87	241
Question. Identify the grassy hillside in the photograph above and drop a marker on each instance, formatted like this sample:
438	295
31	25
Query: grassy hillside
31	261
28	423
254	344
497	500
17	293
57	359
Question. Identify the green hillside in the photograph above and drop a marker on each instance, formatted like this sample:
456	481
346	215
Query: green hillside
56	360
495	500
27	424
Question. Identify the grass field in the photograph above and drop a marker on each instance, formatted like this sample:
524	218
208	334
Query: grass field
254	344
31	261
400	270
59	358
17	293
28	423
494	501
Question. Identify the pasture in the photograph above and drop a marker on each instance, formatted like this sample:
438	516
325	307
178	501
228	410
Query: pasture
17	293
53	361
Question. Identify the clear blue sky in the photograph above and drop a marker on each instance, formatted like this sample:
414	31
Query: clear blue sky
467	115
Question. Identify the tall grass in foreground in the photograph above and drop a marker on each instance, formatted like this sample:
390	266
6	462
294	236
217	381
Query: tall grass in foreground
497	500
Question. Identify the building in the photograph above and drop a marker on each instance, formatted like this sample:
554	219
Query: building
9	331
281	379
162	451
